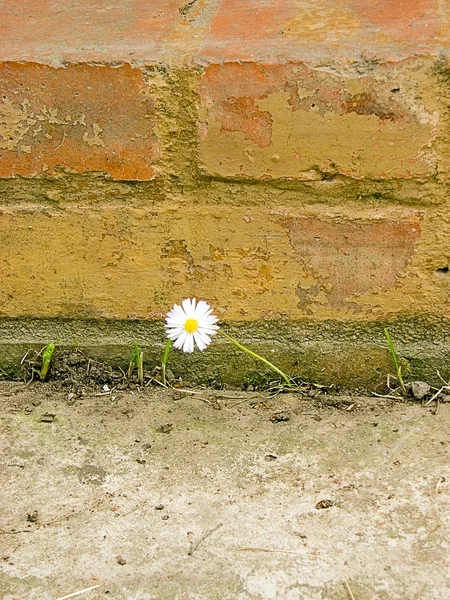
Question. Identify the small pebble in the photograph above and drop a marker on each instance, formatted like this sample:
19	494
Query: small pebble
33	516
164	428
47	418
270	457
324	504
281	416
420	389
120	560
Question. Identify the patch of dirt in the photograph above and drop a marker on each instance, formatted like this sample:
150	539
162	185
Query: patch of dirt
70	369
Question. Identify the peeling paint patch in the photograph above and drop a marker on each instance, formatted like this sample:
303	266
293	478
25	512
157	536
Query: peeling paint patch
285	121
82	118
95	139
344	260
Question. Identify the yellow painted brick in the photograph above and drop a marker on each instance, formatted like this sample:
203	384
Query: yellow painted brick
249	262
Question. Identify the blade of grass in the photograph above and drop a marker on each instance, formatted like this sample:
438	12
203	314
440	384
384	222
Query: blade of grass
398	368
164	361
137	360
46	359
140	368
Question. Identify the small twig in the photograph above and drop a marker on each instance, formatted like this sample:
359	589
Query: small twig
93	587
270	550
140	505
436	395
439	483
56	519
194	392
228	397
12	532
153	380
446	383
388	396
349	589
205	536
24	357
38	525
204	400
245	400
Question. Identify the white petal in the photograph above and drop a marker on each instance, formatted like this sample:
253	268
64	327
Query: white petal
189	307
209	320
199	341
203	338
173	334
175	311
188	345
172	322
202	309
180	341
177	329
211	330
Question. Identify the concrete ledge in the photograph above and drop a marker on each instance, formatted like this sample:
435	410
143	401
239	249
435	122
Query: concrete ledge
343	354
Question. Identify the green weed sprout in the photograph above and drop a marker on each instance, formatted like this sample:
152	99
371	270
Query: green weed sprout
398	367
193	323
164	361
46	359
137	360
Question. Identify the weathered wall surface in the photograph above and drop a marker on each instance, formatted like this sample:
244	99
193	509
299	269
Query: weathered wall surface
286	160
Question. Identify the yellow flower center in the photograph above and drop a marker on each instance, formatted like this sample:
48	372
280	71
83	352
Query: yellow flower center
191	325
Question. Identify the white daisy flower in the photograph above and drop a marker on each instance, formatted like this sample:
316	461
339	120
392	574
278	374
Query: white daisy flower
191	323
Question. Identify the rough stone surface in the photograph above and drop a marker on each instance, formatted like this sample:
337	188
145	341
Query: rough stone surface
350	493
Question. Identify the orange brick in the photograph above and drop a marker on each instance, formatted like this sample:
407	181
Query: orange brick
82	118
325	31
58	32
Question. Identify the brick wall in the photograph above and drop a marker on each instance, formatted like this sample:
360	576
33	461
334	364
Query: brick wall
286	160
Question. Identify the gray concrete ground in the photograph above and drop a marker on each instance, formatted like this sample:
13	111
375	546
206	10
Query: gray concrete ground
337	502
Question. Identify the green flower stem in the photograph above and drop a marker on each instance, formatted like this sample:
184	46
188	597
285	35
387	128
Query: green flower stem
164	361
266	362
